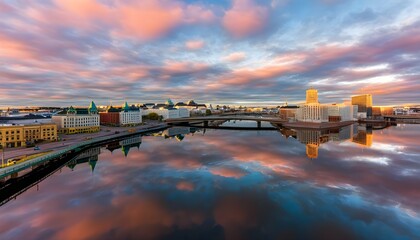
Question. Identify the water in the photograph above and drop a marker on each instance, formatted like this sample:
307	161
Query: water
355	183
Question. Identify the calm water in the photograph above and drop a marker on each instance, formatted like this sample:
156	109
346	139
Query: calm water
356	183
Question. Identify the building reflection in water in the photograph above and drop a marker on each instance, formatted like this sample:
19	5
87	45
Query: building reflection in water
314	138
89	156
125	145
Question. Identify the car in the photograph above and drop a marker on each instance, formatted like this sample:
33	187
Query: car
37	148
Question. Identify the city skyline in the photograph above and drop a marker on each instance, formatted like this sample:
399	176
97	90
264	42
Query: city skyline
240	52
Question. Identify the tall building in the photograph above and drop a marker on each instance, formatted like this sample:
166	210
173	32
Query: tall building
78	120
364	103
313	111
312	95
21	135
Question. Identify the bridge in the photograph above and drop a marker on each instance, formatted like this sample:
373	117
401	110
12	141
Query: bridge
412	118
205	120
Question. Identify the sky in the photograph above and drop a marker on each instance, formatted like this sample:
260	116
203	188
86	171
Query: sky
239	52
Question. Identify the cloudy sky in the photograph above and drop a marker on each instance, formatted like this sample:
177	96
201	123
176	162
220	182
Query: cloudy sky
62	52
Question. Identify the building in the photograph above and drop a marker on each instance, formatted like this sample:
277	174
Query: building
192	106
125	116
167	110
288	112
78	120
311	95
387	111
313	111
23	135
364	103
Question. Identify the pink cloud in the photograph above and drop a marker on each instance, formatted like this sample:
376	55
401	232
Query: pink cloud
149	19
228	172
185	186
235	57
194	44
245	18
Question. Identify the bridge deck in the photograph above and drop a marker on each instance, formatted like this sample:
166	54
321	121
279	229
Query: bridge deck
225	118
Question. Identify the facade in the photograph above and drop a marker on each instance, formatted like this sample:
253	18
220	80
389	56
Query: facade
313	111
169	110
288	112
21	135
192	106
80	120
387	111
312	95
125	116
364	103
168	113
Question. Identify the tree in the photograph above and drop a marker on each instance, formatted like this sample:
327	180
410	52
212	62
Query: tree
153	116
208	112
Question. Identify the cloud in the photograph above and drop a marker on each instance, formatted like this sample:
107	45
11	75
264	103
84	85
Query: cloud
194	44
245	18
235	57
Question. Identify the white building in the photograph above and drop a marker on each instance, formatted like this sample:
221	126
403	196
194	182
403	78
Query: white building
168	113
130	115
313	111
77	120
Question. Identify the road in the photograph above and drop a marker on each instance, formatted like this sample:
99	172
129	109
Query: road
68	140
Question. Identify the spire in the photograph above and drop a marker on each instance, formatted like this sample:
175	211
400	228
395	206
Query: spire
92	108
92	164
169	102
126	107
71	110
125	150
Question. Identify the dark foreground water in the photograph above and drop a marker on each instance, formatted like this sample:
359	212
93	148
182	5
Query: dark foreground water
356	183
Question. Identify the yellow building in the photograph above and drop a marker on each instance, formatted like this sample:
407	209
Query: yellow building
312	150
364	102
311	95
20	135
363	138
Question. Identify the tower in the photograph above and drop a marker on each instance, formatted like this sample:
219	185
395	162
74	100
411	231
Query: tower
311	95
92	108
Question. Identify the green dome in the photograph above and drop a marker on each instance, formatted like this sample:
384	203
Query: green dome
93	108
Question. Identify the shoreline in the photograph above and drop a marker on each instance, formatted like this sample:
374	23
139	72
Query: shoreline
78	146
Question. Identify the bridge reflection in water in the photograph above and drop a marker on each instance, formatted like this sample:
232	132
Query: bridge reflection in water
18	183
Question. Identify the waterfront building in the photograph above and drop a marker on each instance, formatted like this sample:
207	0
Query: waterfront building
192	106
376	112
364	103
124	116
168	113
167	110
78	120
387	111
22	135
288	112
313	111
